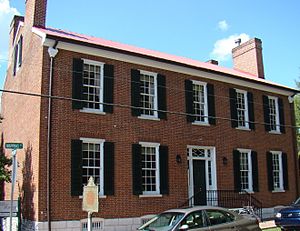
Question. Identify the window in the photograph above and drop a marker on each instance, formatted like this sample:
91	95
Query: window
92	86
273	114
148	95
277	167
200	102
242	110
92	162
217	217
245	170
200	106
195	220
92	157
18	55
150	169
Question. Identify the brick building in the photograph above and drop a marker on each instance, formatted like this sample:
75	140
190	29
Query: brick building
155	130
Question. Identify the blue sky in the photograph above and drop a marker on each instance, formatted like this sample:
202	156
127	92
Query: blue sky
197	29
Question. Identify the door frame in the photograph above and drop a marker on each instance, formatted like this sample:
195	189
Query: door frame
211	184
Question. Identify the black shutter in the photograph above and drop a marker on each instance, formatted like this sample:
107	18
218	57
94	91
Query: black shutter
137	186
76	168
77	83
270	171
285	171
161	93
281	115
163	169
15	59
211	104
135	93
189	101
254	171
236	170
20	47
233	107
109	149
266	113
251	110
108	94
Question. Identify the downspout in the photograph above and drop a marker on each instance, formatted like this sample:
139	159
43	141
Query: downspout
295	145
52	51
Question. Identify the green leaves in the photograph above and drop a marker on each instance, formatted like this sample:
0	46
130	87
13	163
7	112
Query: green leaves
4	164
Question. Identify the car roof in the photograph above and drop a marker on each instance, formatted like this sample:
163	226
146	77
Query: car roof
195	208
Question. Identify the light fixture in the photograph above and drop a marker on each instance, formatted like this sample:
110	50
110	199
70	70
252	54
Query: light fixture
178	159
225	160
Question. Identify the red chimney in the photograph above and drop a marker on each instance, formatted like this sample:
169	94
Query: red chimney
248	57
35	13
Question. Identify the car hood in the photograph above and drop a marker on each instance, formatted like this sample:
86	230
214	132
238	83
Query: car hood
290	208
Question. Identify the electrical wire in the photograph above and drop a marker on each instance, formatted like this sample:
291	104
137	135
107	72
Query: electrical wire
130	107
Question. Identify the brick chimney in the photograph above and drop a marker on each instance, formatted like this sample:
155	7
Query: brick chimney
35	13
248	57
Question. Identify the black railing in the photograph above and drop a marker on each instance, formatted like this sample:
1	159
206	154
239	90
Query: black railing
228	199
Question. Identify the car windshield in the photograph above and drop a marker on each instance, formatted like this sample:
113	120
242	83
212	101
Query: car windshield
163	222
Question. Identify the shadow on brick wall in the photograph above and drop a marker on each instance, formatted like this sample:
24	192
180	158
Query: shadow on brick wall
28	187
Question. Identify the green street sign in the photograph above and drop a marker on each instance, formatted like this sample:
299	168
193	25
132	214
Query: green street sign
13	146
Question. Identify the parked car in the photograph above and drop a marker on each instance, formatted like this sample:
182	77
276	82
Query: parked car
288	218
200	218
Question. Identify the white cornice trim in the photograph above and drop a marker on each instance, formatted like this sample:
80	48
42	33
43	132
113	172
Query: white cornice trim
21	24
40	34
161	65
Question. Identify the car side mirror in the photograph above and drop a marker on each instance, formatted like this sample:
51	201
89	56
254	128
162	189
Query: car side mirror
184	227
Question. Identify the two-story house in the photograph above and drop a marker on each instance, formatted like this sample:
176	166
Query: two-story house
156	131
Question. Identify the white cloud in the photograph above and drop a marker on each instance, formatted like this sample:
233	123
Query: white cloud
222	48
6	14
223	25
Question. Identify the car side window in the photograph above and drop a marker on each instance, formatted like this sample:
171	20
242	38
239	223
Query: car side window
194	220
217	217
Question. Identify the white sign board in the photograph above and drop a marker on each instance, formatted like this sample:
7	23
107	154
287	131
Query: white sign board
90	200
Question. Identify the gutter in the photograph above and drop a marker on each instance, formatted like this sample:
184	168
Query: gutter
52	51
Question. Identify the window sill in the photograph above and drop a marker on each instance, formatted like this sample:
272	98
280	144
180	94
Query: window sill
243	129
247	191
201	123
153	195
92	111
100	197
149	118
278	191
275	132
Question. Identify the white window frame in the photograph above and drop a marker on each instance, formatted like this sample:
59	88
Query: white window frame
17	58
204	84
157	171
246	110
101	89
101	143
249	159
281	188
155	103
277	122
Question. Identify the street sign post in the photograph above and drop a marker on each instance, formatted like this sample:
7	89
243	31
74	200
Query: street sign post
14	147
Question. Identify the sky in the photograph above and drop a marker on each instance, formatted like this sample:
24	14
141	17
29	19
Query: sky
197	29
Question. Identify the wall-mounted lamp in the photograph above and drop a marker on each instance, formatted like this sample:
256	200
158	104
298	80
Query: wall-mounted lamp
225	160
178	159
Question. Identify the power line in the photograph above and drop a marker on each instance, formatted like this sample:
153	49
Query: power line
129	106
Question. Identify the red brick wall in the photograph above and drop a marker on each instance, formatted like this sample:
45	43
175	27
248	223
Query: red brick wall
22	121
123	129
